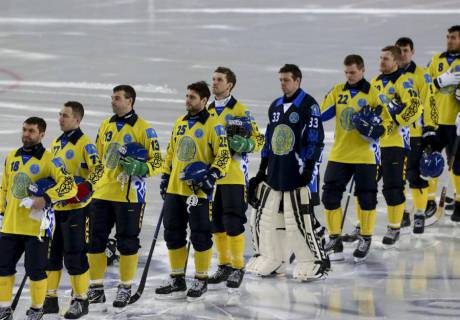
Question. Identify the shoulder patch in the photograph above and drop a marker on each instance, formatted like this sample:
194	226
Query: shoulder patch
58	162
91	148
407	85
151	133
220	130
315	110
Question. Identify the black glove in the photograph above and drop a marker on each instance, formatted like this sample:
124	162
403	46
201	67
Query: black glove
208	180
429	138
307	173
164	185
252	188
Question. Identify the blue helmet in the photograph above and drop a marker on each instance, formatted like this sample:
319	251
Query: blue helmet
194	172
134	150
239	126
39	187
431	165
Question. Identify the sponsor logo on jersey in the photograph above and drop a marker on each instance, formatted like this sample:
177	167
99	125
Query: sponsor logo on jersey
69	154
294	117
283	140
186	149
345	119
199	133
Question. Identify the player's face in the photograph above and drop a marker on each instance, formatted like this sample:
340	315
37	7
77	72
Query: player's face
31	135
67	120
388	63
120	104
353	74
193	102
220	86
406	55
453	42
288	85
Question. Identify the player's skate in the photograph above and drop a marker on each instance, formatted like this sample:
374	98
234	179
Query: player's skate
78	308
455	217
6	313
430	212
219	277
235	278
34	314
175	288
310	271
419	222
334	249
405	223
391	237
96	297
353	236
198	289
362	250
51	305
123	296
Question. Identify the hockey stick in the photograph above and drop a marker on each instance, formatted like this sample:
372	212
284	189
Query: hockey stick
186	259
450	162
350	190
18	293
140	288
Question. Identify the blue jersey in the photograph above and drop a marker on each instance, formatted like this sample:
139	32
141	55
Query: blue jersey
293	140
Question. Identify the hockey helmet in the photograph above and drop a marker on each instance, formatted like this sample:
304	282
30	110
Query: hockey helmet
134	150
239	126
431	165
194	172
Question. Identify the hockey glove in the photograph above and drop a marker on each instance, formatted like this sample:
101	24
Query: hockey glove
240	144
164	185
449	78
84	192
207	181
395	107
134	167
253	184
307	172
429	138
368	122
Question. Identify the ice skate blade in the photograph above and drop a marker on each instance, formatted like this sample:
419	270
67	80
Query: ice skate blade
172	296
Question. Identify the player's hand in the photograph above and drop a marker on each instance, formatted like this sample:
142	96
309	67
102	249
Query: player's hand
449	78
38	203
240	144
83	193
134	167
164	185
208	180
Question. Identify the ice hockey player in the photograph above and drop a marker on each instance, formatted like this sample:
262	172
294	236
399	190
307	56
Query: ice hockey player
422	133
360	122
444	69
397	93
230	201
197	156
74	151
120	197
21	226
293	146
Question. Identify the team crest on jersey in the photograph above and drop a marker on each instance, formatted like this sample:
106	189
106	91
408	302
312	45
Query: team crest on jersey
345	119
186	149
199	133
294	117
127	138
427	78
283	140
34	168
58	162
21	182
315	111
112	156
91	148
362	102
407	85
69	154
150	132
391	90
220	130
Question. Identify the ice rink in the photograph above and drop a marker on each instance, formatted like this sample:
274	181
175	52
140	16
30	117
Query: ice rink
53	51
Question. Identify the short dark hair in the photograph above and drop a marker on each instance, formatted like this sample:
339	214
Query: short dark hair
200	87
292	68
395	51
41	124
354	59
129	91
229	74
77	108
404	42
455	28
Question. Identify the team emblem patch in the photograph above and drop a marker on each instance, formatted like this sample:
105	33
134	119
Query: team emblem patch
345	119
58	162
315	111
69	154
112	156
294	117
127	138
21	182
427	78
220	130
91	148
186	149
391	90
34	169
283	140
199	133
150	132
362	102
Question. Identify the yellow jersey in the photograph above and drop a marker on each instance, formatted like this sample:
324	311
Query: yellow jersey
239	165
77	153
447	106
22	168
342	102
195	138
113	133
398	85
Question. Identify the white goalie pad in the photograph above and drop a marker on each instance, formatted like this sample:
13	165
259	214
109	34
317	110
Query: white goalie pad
304	233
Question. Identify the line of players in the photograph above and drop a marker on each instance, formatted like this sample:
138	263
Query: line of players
291	153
